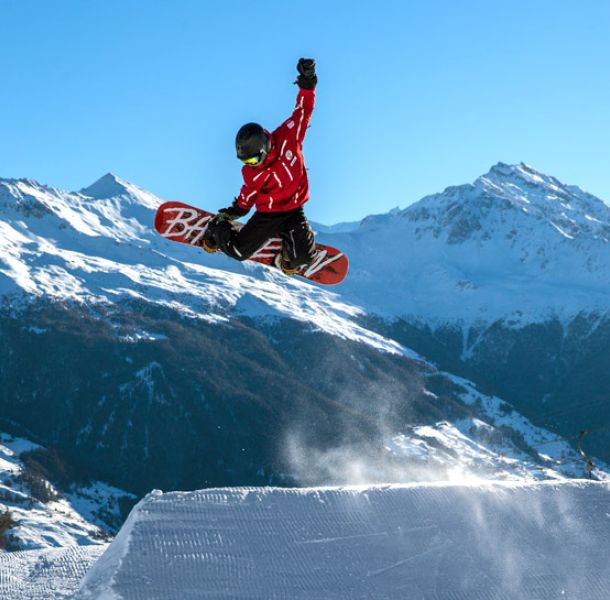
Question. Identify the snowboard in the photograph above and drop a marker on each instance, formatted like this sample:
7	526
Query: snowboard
186	224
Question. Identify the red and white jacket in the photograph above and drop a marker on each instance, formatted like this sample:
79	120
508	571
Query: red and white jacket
280	183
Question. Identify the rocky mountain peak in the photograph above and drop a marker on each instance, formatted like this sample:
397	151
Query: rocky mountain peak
502	172
107	186
111	186
517	197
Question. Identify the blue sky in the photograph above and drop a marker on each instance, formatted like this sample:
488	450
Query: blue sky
412	96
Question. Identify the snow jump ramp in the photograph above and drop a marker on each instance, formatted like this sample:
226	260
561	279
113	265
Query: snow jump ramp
496	541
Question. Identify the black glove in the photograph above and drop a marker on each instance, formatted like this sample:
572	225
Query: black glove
307	78
231	212
217	235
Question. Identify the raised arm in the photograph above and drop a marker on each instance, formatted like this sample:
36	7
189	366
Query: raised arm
307	81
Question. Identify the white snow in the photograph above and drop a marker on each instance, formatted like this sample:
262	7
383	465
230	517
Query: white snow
50	574
495	442
92	247
492	541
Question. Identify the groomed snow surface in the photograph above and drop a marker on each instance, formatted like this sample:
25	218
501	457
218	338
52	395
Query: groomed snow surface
435	541
47	574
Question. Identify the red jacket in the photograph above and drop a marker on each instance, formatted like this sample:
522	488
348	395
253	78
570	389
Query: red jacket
280	183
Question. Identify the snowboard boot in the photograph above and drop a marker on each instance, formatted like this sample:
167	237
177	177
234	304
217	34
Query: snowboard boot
217	235
288	267
208	246
282	263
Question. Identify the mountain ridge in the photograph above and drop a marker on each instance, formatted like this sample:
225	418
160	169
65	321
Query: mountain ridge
501	250
537	195
111	292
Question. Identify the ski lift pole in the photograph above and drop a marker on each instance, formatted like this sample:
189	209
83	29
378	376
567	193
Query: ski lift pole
588	462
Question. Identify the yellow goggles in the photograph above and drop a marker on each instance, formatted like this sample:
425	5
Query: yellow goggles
251	161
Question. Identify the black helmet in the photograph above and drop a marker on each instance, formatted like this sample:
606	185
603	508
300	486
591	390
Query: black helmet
252	144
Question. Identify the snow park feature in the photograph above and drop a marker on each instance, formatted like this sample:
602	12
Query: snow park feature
45	574
483	541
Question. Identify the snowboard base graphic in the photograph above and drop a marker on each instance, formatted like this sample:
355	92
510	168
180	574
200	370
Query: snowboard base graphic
187	225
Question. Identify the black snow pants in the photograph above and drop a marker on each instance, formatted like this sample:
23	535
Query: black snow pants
298	245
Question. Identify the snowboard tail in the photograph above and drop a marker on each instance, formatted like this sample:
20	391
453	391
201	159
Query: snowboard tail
187	225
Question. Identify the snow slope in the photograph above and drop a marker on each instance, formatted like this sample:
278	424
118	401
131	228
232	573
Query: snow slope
494	442
98	246
487	542
49	574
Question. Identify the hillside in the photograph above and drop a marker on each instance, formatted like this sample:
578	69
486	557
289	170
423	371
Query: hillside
169	368
46	507
503	281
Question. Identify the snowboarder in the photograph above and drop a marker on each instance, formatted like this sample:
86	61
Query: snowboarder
275	182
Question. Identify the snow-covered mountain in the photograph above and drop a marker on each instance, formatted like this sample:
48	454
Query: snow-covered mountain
146	364
98	245
145	339
504	281
514	245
